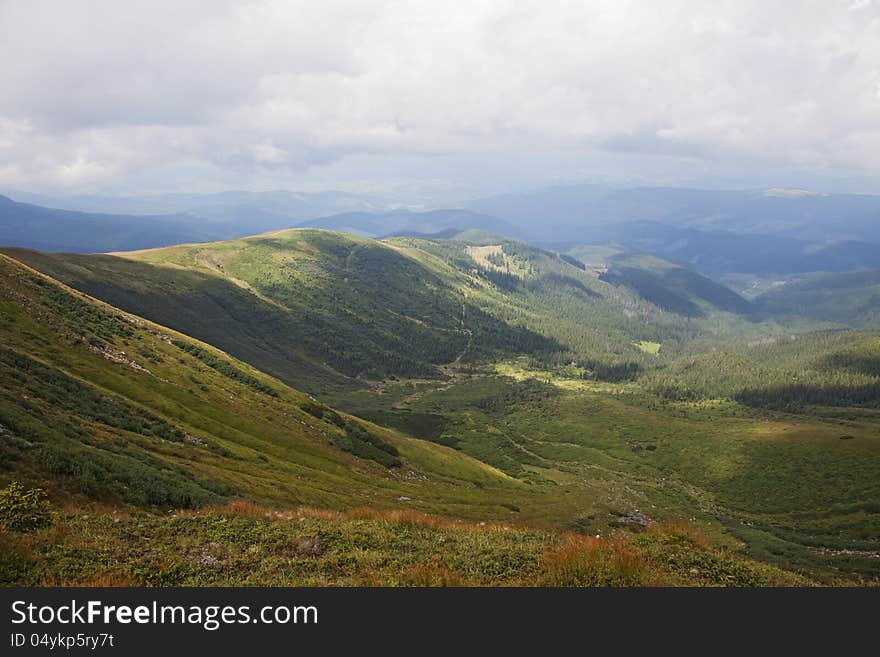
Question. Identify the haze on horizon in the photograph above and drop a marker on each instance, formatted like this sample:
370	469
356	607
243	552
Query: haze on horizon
431	99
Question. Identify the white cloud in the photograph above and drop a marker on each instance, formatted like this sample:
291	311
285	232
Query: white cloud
94	91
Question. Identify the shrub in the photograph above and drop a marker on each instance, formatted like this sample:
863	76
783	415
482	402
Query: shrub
363	444
583	561
225	368
610	372
323	413
431	574
23	510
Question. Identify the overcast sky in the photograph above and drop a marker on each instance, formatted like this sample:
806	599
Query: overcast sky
470	96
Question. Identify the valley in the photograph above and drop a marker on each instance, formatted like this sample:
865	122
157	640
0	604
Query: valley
601	392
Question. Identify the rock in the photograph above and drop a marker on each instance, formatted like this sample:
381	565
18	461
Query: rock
205	558
307	547
636	518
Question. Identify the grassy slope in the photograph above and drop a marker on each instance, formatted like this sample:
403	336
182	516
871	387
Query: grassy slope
596	314
107	411
324	310
611	451
66	401
674	288
246	545
315	308
783	482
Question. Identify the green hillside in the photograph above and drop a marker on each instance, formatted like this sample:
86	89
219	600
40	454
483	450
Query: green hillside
245	545
120	419
850	298
324	310
600	303
672	287
512	383
100	406
309	306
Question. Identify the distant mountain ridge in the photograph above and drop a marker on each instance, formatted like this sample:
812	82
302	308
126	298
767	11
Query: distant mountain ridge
55	230
294	206
775	232
49	229
716	253
384	224
572	212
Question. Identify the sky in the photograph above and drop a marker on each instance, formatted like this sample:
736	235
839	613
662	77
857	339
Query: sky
430	97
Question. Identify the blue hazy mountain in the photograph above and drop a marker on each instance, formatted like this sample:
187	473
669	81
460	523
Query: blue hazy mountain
50	229
396	222
576	213
144	222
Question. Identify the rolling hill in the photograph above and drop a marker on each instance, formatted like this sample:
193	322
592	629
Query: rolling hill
533	392
309	306
99	405
321	309
672	287
850	298
383	224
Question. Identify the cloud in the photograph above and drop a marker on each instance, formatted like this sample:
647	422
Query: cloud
94	91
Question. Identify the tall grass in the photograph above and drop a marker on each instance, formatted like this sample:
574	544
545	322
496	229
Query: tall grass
578	560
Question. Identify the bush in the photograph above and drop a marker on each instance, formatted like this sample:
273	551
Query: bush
225	368
323	413
583	561
363	444
23	510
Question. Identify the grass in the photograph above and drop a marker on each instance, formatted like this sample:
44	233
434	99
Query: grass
246	545
111	425
527	401
718	463
324	311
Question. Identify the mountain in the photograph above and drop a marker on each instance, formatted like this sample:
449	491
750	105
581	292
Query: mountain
672	287
49	229
203	218
718	233
165	220
309	306
571	213
850	298
322	309
406	221
234	206
718	254
100	405
486	379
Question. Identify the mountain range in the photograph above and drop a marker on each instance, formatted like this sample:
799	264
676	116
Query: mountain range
714	419
719	233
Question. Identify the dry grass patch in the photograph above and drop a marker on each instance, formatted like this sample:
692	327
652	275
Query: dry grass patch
577	560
